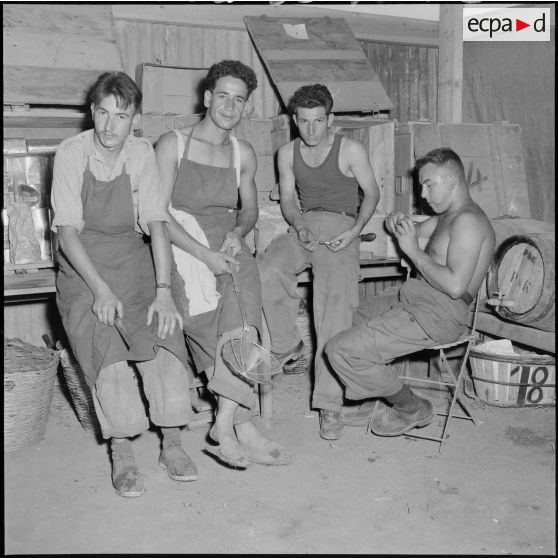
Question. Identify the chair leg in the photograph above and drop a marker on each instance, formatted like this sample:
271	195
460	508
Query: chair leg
454	384
265	390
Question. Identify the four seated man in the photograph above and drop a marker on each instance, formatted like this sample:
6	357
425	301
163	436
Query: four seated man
197	197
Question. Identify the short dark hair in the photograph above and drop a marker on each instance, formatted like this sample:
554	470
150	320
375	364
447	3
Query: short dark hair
311	96
443	156
119	84
235	69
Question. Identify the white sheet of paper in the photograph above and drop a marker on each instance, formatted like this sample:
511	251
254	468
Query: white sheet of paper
298	30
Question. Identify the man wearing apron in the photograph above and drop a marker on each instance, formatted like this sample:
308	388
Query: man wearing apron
113	294
326	170
428	310
197	169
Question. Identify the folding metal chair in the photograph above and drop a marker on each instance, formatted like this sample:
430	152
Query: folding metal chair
450	379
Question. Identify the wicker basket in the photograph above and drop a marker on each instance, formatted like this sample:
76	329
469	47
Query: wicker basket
29	376
521	380
304	323
80	393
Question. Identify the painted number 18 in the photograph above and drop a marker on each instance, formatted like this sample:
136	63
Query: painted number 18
530	393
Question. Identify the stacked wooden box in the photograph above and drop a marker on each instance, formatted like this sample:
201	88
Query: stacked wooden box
492	156
377	136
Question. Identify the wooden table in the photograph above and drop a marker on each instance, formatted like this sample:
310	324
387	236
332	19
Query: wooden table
42	283
529	336
375	268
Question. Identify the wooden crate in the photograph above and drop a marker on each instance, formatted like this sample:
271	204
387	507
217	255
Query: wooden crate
492	156
53	53
303	50
170	89
377	136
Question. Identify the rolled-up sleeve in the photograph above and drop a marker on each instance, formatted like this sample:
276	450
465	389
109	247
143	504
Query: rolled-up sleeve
66	187
151	203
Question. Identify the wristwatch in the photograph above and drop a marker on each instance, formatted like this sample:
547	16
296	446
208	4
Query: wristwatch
162	286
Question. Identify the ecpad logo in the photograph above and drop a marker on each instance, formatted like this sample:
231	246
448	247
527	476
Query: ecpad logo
506	24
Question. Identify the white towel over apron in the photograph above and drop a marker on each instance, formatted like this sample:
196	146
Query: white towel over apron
200	284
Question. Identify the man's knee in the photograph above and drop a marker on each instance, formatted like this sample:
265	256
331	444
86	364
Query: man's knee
278	254
335	347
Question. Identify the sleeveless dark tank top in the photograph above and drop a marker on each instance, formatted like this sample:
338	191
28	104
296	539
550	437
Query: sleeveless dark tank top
325	186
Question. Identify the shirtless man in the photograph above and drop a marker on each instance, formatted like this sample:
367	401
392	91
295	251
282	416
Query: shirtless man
431	309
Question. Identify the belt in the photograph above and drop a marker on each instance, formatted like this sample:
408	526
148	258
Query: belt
353	215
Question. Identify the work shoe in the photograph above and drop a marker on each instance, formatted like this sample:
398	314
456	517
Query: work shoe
331	426
126	478
298	366
287	356
358	415
391	421
177	463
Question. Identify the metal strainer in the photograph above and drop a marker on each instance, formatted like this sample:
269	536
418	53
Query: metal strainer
244	357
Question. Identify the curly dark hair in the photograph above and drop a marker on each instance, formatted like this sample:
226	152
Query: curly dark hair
443	156
310	96
119	84
233	68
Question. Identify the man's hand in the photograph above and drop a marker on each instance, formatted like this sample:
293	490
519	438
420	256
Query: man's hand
341	240
167	314
392	220
406	235
106	306
306	238
219	263
231	245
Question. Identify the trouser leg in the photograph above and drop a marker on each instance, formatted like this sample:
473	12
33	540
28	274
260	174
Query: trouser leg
166	387
279	266
362	355
335	296
118	402
224	383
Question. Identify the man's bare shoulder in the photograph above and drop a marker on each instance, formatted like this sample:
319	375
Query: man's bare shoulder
473	217
245	146
167	139
286	149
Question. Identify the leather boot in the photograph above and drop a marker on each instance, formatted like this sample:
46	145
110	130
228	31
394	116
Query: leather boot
407	411
126	478
174	459
331	426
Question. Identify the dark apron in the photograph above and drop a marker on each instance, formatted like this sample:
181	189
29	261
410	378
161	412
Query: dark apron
124	261
211	195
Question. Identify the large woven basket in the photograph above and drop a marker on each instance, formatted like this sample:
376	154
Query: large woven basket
80	393
520	380
29	376
304	324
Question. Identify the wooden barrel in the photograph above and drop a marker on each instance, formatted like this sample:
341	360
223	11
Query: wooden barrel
506	227
522	271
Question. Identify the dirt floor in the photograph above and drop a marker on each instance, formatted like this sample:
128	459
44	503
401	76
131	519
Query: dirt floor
491	491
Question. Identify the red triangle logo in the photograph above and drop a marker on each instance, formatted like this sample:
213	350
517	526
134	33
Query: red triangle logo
519	25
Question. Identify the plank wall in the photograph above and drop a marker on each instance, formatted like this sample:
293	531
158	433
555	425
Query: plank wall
409	74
